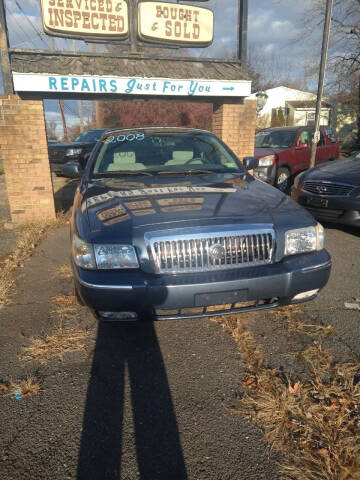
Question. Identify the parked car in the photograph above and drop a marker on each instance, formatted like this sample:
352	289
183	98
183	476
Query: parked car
167	223
79	150
331	192
284	152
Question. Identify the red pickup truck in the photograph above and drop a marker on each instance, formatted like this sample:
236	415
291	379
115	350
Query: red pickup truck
284	152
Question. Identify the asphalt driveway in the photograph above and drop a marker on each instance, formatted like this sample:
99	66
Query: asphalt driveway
155	403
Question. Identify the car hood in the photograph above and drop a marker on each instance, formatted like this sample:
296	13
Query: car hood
263	152
344	171
120	206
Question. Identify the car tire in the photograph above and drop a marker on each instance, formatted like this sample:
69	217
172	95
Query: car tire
283	179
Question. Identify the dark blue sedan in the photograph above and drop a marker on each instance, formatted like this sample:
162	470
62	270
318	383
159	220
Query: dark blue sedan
168	223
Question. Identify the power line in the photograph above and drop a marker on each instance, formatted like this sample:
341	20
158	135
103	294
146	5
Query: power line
70	110
32	26
12	15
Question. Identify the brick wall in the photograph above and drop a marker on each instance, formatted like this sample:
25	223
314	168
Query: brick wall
24	152
235	124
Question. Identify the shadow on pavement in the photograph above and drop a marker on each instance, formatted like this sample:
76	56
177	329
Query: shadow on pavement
351	230
64	196
158	448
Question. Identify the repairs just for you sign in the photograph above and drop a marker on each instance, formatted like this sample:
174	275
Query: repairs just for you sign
86	18
174	23
42	82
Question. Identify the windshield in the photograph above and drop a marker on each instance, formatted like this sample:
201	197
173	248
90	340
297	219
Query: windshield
163	153
275	139
89	136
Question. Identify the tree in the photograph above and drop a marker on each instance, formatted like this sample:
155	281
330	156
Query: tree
343	78
269	70
137	113
280	117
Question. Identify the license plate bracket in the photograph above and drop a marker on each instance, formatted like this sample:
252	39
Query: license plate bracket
318	202
221	298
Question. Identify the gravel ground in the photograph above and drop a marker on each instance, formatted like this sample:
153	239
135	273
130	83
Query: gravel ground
7	237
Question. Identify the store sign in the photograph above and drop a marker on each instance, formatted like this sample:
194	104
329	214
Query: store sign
175	24
25	82
86	18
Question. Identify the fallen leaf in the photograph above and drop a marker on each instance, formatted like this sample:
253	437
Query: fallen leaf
4	387
249	381
295	390
323	451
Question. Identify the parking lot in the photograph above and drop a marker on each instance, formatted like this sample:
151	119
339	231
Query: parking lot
160	402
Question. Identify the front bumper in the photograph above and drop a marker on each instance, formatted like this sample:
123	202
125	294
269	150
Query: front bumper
339	210
56	167
166	296
266	174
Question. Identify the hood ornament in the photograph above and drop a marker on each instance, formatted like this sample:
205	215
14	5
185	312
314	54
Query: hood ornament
217	252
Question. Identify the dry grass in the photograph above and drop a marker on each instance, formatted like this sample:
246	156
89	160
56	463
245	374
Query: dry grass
295	325
64	271
315	425
26	388
29	237
65	306
55	345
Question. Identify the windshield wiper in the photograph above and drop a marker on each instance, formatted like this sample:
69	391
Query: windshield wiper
186	172
136	173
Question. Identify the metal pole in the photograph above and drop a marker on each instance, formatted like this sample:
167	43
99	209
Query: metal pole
4	53
133	16
243	28
61	105
324	52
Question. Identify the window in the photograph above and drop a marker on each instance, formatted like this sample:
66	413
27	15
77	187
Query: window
275	139
134	151
304	138
321	141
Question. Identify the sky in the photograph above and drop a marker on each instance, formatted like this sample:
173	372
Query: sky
271	30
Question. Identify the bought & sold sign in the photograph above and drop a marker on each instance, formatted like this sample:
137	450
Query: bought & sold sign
173	23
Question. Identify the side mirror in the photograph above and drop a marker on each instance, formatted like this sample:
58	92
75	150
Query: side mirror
250	163
72	170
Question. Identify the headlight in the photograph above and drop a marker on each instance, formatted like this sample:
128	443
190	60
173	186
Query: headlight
115	257
73	151
267	161
304	240
103	257
83	253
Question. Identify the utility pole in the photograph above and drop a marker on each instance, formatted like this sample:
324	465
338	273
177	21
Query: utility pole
243	31
81	117
98	116
4	53
324	52
61	105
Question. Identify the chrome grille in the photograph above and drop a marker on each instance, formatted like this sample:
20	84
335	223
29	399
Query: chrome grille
328	188
200	250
